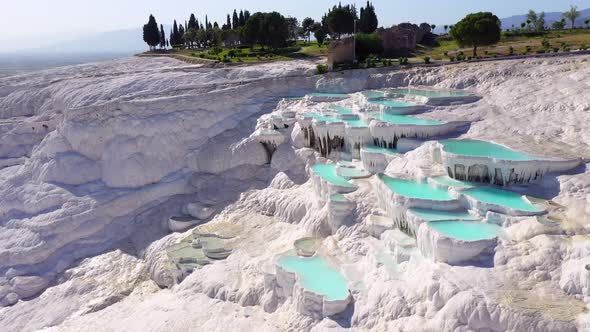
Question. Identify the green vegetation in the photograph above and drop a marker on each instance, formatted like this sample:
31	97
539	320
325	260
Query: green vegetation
368	22
477	29
151	34
573	14
367	44
340	20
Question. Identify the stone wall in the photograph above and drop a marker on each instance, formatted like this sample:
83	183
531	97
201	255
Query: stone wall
340	51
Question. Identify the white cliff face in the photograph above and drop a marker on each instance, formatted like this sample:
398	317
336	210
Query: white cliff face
97	158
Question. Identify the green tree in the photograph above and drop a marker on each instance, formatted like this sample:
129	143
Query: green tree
367	44
478	29
587	22
319	34
192	22
181	39
559	25
540	24
446	27
368	22
307	25
251	30
151	33
531	17
293	27
162	37
572	15
235	20
241	19
340	20
274	30
246	16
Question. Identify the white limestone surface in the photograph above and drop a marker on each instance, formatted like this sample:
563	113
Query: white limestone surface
129	143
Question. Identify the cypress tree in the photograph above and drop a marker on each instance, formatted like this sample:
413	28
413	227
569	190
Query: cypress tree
235	20
246	16
241	19
206	23
227	25
181	35
215	25
192	23
368	22
162	37
151	33
175	36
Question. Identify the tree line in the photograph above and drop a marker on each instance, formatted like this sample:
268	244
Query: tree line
272	30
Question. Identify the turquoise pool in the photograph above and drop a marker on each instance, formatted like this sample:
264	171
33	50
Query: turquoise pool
433	215
320	117
404	120
340	109
317	276
476	148
447	181
328	173
372	94
378	149
413	189
353	172
465	230
355	123
389	102
502	197
338	198
431	93
329	95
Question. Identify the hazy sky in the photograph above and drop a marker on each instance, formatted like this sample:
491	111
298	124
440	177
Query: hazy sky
41	22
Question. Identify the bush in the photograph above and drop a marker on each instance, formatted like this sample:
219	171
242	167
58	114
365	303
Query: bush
528	49
426	59
368	43
583	47
231	53
556	49
546	43
511	50
403	61
452	58
201	55
567	49
321	69
541	51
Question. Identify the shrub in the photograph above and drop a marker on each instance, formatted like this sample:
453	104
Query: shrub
511	50
403	61
231	53
426	59
321	69
546	43
368	43
541	51
556	49
446	53
451	58
583	47
528	49
567	49
201	55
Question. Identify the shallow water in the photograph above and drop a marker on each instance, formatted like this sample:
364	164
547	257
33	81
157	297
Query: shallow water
390	102
378	149
402	119
317	276
476	148
340	109
320	117
431	93
413	189
328	173
433	215
465	230
447	181
502	197
329	95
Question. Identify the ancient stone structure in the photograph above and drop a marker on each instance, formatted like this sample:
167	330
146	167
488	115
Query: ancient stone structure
397	38
340	51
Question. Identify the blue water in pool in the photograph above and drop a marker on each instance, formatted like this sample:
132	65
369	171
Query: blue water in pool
317	276
502	197
413	189
390	102
404	120
433	215
476	148
466	230
378	149
328	173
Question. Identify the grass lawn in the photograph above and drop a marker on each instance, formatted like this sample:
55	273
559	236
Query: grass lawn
300	49
561	39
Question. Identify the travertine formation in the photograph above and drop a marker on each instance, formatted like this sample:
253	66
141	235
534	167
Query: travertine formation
97	158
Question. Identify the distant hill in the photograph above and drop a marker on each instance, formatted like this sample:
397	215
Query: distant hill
508	22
